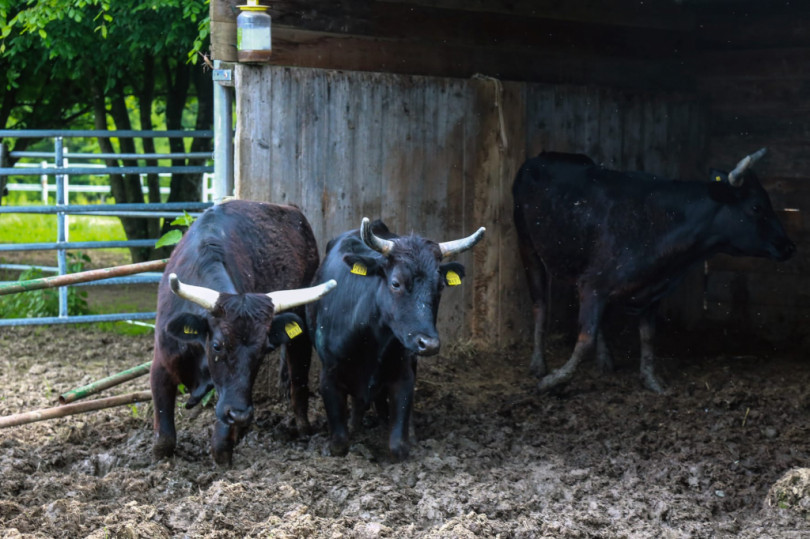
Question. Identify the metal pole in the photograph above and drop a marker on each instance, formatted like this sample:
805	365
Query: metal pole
104	383
81	277
61	224
223	140
72	409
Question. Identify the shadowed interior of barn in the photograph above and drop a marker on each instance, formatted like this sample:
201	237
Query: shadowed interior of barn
421	112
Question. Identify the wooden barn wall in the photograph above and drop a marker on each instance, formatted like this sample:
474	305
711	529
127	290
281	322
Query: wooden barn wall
754	73
437	156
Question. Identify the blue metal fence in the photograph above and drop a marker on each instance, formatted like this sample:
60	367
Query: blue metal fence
62	209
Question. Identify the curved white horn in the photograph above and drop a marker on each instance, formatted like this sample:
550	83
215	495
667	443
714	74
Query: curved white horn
735	176
450	248
377	243
287	299
204	297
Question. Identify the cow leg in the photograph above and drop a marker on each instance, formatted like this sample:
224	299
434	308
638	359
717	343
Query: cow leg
604	359
164	393
537	278
334	402
297	354
590	314
646	330
401	395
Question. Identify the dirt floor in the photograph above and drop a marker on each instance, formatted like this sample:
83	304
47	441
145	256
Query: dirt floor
492	457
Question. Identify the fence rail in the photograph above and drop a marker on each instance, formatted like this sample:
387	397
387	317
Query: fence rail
62	170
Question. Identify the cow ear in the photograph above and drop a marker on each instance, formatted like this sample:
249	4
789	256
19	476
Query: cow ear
362	265
452	273
718	176
188	327
284	328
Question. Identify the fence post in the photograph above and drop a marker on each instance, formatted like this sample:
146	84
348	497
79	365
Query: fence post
4	163
61	223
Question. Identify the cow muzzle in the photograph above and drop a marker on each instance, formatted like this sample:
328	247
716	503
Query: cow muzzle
239	417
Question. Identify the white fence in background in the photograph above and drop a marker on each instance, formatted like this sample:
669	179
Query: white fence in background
44	187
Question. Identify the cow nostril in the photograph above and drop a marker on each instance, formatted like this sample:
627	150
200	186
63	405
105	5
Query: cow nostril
238	417
427	345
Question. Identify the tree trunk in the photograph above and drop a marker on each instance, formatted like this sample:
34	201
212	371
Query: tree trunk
132	227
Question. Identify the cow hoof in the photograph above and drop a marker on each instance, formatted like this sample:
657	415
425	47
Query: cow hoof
163	448
552	384
653	383
399	454
538	368
222	458
339	447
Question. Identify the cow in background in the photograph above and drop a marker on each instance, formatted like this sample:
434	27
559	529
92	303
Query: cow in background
219	313
370	332
629	237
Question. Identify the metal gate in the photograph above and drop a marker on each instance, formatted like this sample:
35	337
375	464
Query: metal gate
62	168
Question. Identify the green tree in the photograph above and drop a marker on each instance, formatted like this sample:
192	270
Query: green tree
87	63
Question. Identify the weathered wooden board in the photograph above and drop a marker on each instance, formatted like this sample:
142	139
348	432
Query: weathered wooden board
437	157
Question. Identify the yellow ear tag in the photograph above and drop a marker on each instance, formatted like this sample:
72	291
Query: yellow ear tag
453	279
718	179
359	269
293	330
188	330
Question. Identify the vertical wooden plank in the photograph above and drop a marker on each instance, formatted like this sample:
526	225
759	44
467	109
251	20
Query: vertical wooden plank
610	129
251	146
590	118
632	134
515	317
285	135
539	119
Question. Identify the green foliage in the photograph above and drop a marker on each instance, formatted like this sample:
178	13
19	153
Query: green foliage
172	237
45	302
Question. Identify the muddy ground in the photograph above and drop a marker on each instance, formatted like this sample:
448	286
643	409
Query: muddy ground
492	457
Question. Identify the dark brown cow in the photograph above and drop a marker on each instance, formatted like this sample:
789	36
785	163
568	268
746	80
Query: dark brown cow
216	320
629	238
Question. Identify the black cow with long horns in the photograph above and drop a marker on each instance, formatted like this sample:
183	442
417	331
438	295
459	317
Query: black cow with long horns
369	333
219	313
629	238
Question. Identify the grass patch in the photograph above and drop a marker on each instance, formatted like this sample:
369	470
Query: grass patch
37	228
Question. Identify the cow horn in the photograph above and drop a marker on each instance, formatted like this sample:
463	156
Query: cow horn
287	299
735	176
204	297
374	242
450	248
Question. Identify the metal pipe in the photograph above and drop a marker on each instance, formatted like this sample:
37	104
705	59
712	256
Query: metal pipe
101	171
72	409
76	245
223	140
104	383
81	277
61	224
141	214
72	155
83	319
102	133
84	208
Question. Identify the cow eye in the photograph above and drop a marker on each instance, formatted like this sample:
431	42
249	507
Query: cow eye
216	346
756	208
395	285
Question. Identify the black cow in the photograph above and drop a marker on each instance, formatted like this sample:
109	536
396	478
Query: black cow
215	326
629	237
369	334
